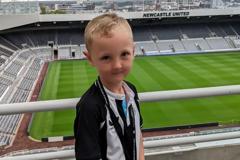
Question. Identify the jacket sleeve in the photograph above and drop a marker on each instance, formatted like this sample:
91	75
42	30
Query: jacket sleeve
86	131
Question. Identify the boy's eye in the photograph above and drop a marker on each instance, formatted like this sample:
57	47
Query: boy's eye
124	54
104	58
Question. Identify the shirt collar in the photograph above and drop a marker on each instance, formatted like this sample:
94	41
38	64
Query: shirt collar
113	95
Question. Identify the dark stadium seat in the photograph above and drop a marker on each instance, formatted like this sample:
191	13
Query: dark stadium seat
8	44
5	52
228	29
236	27
166	32
16	38
142	33
2	61
217	30
76	36
195	30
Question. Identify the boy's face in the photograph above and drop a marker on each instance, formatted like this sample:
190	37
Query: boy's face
112	56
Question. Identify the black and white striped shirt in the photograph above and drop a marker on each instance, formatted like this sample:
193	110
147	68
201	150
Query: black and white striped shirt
94	130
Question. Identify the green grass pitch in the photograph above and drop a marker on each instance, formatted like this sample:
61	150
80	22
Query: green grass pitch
69	79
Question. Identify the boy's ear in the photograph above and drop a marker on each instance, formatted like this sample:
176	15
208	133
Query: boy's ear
134	49
89	57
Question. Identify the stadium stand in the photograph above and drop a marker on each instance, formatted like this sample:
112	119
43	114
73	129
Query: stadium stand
26	50
164	45
10	78
26	84
191	44
218	43
166	32
235	27
3	88
178	46
195	30
138	50
7	44
216	30
13	69
2	60
5	51
229	29
20	96
149	46
5	81
142	33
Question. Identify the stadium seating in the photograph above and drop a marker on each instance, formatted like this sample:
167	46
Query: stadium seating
174	45
190	44
15	50
164	45
195	30
141	34
5	52
235	27
3	88
8	126
26	84
178	46
5	81
76	36
195	44
20	96
217	30
148	46
218	43
7	43
2	60
21	93
37	38
13	69
166	32
228	29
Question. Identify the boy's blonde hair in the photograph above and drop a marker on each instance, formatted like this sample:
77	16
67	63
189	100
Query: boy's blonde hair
103	25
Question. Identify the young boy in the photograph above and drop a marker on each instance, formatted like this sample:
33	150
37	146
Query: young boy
108	121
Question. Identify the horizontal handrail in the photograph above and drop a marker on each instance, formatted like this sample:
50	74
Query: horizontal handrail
64	154
51	105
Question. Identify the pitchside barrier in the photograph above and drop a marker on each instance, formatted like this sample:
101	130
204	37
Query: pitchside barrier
213	124
170	52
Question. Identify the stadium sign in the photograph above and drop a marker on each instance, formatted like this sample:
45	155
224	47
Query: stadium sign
165	14
11	21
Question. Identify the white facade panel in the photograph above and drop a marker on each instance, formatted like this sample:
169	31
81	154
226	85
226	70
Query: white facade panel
10	21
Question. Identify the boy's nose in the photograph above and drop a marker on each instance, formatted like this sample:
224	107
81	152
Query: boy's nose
117	64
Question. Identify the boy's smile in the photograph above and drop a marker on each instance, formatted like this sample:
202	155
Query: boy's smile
112	55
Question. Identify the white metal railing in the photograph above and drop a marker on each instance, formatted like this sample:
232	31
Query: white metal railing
14	108
51	105
43	156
